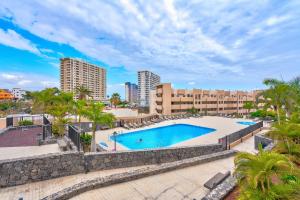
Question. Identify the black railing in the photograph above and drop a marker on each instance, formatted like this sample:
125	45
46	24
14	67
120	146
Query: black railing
74	135
9	121
233	137
47	128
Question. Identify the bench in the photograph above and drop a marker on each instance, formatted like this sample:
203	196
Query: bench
216	180
62	144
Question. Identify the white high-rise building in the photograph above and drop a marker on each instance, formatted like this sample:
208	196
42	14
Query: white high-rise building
147	81
131	92
18	93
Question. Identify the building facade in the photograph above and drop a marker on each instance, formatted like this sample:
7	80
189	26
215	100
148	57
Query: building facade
75	73
167	101
131	92
5	95
18	93
147	81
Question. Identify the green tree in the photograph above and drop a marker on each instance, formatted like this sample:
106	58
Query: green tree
115	99
192	110
79	108
260	176
248	106
83	92
95	114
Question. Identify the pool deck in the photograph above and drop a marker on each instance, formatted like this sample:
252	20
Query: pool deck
223	126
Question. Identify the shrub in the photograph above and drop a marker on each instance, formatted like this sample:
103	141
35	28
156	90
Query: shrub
25	123
263	114
86	139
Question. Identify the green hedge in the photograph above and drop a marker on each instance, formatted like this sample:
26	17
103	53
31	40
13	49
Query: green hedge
25	123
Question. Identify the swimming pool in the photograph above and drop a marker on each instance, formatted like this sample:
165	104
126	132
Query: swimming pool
161	136
247	123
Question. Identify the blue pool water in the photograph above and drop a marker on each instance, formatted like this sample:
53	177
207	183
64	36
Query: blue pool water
246	123
161	136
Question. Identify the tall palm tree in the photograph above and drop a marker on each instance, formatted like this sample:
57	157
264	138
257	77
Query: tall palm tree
95	114
83	92
115	99
277	95
260	175
79	109
248	106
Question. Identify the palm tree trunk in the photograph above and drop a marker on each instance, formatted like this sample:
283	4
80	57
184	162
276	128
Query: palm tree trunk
278	114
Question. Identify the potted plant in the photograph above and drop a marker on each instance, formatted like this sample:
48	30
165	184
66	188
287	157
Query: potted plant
86	140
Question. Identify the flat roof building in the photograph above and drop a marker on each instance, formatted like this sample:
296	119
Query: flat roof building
166	100
75	73
146	82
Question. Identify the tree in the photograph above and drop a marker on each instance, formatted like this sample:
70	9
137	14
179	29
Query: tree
115	99
261	176
83	92
79	108
95	114
192	110
248	106
276	95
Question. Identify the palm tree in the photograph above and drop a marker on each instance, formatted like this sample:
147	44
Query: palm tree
94	113
79	109
115	99
260	176
276	95
248	106
83	92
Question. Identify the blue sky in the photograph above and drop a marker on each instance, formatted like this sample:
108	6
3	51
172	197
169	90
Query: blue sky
192	44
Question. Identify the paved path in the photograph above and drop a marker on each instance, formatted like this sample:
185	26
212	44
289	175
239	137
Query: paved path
28	151
184	183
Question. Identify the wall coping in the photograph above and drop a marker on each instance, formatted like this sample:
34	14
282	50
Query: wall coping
153	150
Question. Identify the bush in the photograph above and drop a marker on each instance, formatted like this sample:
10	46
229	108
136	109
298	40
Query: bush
263	114
25	123
86	139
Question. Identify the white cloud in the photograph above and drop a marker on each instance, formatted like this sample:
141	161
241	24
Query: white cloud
27	81
207	40
276	20
192	83
13	39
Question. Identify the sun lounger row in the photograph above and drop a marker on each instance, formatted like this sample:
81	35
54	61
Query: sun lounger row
161	118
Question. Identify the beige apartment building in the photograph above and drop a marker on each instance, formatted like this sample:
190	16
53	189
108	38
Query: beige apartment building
167	101
74	73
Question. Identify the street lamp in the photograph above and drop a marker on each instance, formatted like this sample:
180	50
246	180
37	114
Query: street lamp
115	140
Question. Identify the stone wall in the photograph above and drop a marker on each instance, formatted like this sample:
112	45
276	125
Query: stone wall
101	160
24	170
260	139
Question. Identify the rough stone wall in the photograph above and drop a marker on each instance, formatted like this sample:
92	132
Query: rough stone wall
260	139
36	168
101	160
24	170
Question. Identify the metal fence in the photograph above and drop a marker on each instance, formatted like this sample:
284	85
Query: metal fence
74	135
233	137
47	128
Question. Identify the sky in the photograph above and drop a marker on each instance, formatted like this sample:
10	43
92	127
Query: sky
215	44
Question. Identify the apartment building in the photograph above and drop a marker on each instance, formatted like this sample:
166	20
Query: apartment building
165	100
74	73
18	93
147	81
131	92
